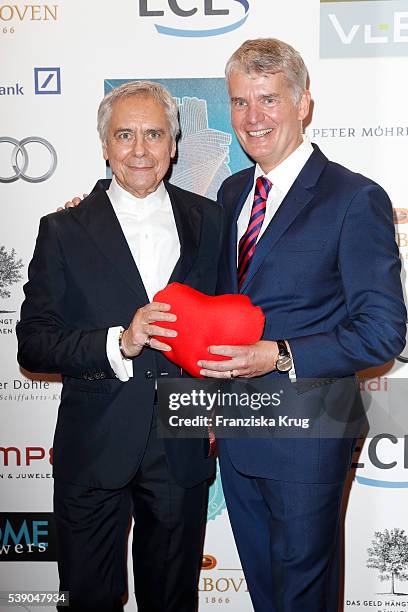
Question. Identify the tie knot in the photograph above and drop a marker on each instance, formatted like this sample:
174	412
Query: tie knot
262	187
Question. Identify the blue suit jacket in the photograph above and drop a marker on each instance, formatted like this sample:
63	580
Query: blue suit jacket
326	273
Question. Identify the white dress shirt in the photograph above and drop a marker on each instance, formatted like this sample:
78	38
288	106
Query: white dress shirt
282	178
150	230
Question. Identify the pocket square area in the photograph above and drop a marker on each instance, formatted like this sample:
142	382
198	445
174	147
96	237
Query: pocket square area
204	320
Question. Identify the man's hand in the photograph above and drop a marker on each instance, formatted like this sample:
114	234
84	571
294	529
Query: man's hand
143	327
72	203
246	361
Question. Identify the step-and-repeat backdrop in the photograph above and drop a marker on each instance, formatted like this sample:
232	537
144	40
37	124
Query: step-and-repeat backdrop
57	61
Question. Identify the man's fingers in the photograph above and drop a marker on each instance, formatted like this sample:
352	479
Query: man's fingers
72	203
159	346
156	311
152	317
161	306
215	374
225	350
219	366
155	330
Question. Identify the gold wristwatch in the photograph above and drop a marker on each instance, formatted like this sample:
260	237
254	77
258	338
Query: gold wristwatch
284	362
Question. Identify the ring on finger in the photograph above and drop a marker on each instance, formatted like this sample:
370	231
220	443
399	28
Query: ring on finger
147	342
231	374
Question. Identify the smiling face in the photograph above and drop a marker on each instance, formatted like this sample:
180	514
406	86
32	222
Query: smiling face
139	145
265	118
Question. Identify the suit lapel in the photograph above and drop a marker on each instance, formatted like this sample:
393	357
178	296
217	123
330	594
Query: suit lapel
188	221
292	205
100	221
243	187
297	198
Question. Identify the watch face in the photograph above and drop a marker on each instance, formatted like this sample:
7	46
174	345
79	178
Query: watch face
284	363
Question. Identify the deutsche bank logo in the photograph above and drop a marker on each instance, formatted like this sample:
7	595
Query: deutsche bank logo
357	28
47	81
199	19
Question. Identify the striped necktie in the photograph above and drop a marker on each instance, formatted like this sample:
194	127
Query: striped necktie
247	243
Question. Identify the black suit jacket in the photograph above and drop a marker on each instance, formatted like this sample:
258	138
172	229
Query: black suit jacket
83	280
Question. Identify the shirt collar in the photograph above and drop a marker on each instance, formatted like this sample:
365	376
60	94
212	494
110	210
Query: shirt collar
123	200
286	172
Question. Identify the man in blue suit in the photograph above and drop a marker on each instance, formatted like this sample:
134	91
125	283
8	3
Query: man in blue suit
313	244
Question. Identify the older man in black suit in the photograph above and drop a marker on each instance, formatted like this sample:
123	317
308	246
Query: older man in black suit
89	315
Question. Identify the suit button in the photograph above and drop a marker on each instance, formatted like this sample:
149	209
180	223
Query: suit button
149	374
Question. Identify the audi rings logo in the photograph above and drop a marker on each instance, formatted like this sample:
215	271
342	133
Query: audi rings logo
21	160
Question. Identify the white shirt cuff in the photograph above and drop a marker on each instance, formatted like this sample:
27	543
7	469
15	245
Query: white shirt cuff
122	367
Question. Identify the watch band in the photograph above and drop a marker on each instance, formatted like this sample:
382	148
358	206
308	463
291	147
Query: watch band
282	348
284	361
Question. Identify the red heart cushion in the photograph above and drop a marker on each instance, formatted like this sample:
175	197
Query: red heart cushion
204	320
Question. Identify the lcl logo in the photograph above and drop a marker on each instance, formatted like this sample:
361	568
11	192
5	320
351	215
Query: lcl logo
231	15
21	156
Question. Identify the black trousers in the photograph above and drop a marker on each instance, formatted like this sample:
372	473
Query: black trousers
168	534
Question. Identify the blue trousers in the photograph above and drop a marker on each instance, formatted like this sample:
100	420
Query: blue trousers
287	535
